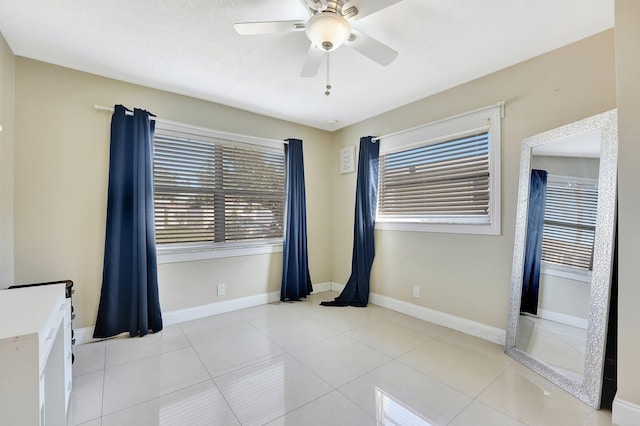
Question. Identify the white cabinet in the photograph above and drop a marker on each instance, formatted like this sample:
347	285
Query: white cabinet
35	356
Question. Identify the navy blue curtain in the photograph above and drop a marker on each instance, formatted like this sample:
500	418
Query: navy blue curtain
533	243
356	291
296	281
129	300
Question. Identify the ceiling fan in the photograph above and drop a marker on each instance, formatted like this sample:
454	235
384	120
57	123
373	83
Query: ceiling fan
328	28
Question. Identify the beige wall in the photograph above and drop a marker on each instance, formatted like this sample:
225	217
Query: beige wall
7	69
564	296
628	95
468	275
61	166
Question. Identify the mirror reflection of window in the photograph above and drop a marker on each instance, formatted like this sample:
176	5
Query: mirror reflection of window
571	206
569	223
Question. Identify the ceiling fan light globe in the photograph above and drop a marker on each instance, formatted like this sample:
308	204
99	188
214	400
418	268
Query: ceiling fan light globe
328	30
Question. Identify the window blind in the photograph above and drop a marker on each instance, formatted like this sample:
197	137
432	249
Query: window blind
217	191
446	179
569	225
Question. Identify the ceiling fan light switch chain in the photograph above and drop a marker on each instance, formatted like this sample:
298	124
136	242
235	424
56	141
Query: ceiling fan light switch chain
328	86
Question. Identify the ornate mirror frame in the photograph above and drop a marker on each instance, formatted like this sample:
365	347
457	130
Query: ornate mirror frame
590	388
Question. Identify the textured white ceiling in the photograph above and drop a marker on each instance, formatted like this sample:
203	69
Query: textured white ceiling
190	47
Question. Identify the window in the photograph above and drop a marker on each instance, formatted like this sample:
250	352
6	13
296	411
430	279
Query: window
443	176
569	224
215	191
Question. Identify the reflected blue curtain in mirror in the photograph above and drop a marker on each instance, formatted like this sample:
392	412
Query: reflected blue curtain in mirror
356	291
129	300
533	244
296	281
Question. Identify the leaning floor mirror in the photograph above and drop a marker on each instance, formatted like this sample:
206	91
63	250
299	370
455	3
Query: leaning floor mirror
563	254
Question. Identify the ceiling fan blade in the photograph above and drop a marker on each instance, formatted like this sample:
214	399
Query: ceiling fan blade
367	7
253	28
312	62
371	48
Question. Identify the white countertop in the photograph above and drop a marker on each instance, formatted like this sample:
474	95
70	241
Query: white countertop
24	311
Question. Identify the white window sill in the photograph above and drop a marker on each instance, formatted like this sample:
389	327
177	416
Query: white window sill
451	228
566	272
189	254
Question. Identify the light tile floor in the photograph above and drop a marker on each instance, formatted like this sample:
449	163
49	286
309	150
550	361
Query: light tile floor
304	364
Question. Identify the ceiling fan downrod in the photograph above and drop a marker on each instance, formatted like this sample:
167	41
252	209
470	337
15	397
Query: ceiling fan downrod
336	6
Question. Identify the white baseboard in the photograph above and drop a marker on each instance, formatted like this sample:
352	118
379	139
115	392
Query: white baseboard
85	334
336	287
625	413
322	287
197	312
563	318
473	328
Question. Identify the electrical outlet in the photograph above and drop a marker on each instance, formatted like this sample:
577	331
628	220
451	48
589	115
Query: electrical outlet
221	289
416	291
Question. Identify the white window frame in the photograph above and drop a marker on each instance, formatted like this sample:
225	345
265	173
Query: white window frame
172	253
482	119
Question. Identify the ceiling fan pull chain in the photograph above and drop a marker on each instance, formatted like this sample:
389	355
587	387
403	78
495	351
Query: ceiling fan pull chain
328	91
